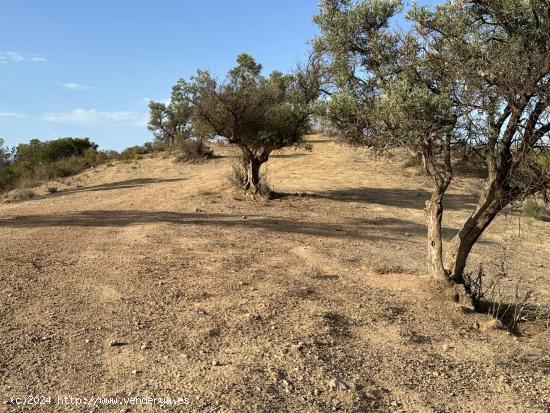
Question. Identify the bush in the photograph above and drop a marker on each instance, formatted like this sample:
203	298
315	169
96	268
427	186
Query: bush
133	153
37	161
508	305
237	178
533	209
22	194
61	169
37	152
194	151
265	189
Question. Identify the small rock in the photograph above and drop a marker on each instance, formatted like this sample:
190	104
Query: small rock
117	343
135	372
145	346
87	340
358	386
215	363
287	382
199	211
337	384
244	217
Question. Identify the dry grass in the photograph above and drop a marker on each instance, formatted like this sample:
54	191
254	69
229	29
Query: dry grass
21	194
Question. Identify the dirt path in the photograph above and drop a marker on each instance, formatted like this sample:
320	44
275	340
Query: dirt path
153	279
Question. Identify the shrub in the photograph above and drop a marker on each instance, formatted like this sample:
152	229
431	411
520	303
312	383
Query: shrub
238	179
509	308
52	189
60	169
22	194
265	189
36	161
237	176
37	152
133	153
194	151
533	209
136	152
8	177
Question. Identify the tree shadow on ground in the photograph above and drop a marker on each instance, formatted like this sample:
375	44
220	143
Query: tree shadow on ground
395	197
396	225
288	155
130	183
374	230
274	155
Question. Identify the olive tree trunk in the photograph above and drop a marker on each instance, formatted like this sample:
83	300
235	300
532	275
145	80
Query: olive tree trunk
441	175
251	164
251	182
434	212
458	250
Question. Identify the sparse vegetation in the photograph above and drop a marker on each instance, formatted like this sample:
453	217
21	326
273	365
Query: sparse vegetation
140	274
29	164
193	151
137	152
22	194
536	210
509	308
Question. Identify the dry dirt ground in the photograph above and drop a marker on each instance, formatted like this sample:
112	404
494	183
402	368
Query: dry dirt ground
154	279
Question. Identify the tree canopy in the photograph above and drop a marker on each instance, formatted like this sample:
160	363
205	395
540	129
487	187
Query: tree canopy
170	122
472	73
257	113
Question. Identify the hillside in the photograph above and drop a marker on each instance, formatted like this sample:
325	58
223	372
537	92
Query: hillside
156	279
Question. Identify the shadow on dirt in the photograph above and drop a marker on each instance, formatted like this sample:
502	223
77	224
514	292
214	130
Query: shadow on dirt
402	198
391	231
130	183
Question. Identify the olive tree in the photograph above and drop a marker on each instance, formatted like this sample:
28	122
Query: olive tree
170	122
257	113
472	72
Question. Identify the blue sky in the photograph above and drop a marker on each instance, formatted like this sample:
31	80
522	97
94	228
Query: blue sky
88	68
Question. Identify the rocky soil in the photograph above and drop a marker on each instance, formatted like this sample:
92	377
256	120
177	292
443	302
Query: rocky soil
155	279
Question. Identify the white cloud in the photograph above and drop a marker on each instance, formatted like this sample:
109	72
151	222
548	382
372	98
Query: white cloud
11	115
76	86
94	117
18	57
147	100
